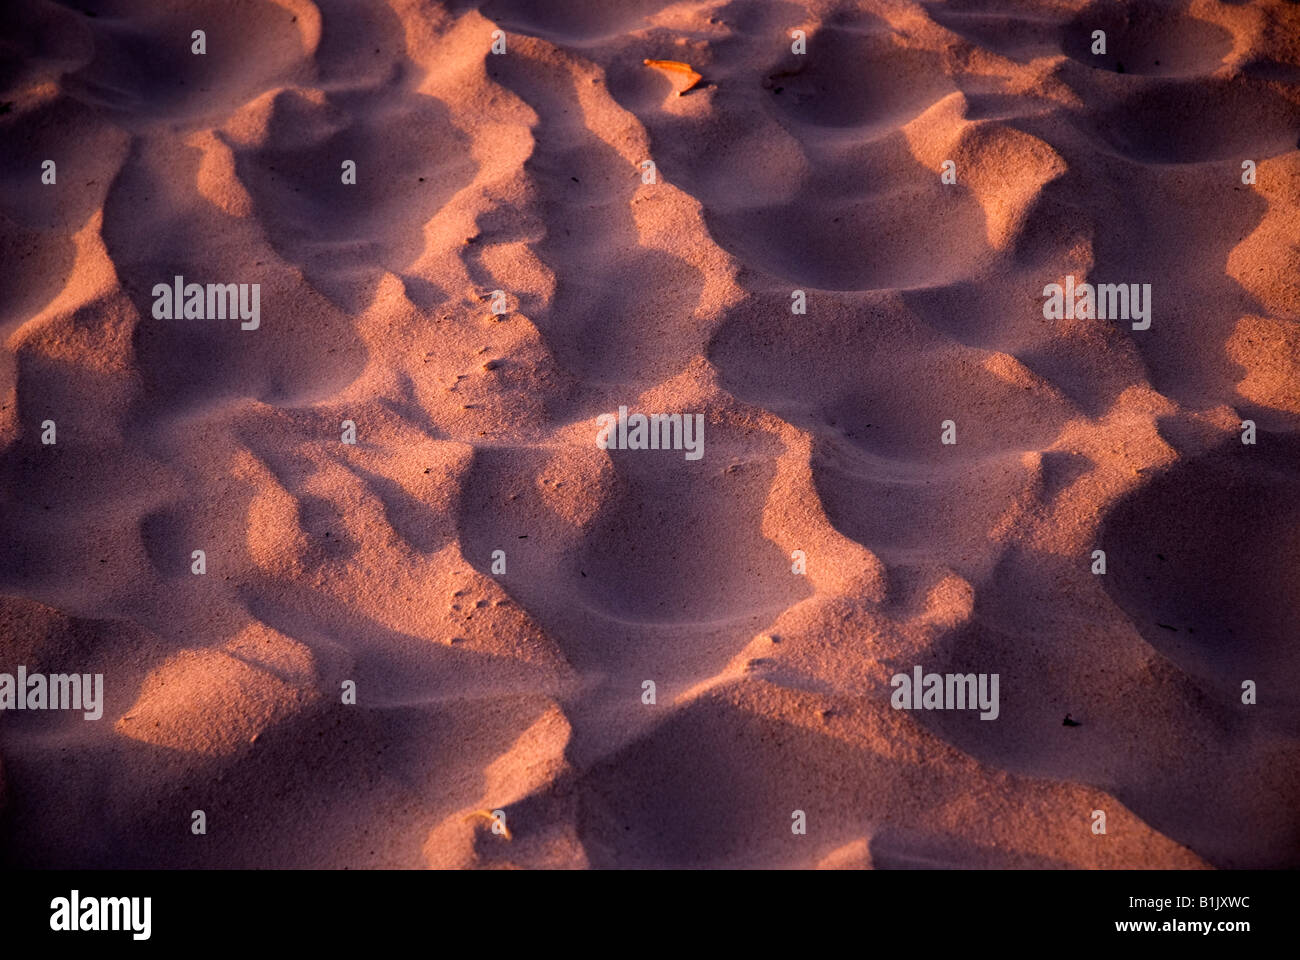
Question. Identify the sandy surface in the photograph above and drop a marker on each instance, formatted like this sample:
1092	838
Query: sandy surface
329	562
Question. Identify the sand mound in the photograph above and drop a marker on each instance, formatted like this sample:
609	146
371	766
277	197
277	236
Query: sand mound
364	589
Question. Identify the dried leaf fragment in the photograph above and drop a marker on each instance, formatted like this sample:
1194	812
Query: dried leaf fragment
678	70
488	816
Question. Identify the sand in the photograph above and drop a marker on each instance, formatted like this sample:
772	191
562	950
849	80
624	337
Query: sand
332	567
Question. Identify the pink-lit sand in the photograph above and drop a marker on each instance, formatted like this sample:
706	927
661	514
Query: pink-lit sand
523	692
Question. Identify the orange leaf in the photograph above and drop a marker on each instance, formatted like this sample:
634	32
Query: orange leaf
486	815
676	68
